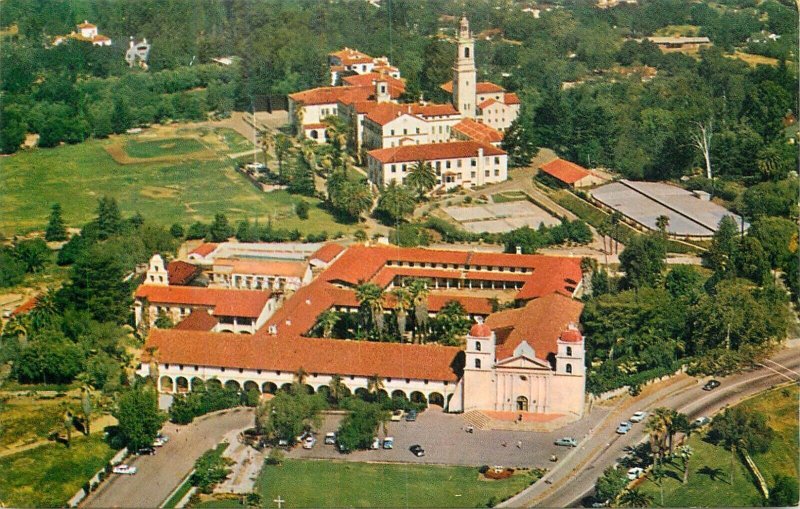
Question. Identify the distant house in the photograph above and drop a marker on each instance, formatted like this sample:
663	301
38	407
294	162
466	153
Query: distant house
679	43
87	32
570	174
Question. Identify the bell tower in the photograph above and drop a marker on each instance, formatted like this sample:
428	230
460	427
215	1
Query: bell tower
464	73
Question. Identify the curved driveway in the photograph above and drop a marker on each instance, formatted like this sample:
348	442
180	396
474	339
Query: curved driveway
160	474
575	478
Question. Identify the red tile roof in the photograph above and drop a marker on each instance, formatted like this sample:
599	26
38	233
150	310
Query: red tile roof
396	86
478	131
434	110
565	171
25	307
224	302
332	95
384	113
263	267
204	249
540	323
483	87
488	102
181	273
433	151
198	320
328	252
86	24
571	336
315	356
511	98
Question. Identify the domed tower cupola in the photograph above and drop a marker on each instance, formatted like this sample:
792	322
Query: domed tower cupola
480	347
570	357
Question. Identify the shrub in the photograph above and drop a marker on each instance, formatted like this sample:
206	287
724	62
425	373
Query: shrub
301	209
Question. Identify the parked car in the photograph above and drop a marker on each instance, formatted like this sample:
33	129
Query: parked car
283	443
701	421
411	416
711	385
149	451
638	416
635	473
124	470
388	443
342	448
309	442
567	442
160	441
397	415
376	443
623	427
303	436
417	450
330	438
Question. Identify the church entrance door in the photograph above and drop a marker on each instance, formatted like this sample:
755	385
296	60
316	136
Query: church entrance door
522	404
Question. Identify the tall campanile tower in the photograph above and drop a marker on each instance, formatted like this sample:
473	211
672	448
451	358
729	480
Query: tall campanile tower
464	72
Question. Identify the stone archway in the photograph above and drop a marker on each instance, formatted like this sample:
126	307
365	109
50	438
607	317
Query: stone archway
436	398
233	385
325	391
269	388
197	384
250	386
418	397
362	393
182	385
286	387
165	384
309	389
399	394
214	382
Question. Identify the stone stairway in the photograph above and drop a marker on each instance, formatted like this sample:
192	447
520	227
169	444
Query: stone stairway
477	419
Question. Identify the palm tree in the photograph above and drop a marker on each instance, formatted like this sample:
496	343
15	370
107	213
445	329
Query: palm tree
370	296
685	453
283	147
300	376
396	201
679	423
421	178
418	288
604	229
375	384
659	474
616	219
328	321
656	431
662	223
45	310
68	422
267	141
17	327
338	389
402	304
86	402
635	498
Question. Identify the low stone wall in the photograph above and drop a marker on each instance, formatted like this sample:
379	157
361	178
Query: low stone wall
99	477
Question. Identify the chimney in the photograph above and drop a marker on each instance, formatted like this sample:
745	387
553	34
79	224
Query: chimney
519	249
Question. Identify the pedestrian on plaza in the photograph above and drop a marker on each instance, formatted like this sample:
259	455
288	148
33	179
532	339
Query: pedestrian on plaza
519	444
504	443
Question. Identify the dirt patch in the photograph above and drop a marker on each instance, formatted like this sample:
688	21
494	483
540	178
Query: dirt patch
158	192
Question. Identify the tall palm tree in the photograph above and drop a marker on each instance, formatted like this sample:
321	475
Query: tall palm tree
616	219
659	474
300	376
402	304
370	296
421	178
685	453
678	423
662	223
283	147
375	384
328	321
418	288
338	389
635	498
267	142
604	229
656	431
45	310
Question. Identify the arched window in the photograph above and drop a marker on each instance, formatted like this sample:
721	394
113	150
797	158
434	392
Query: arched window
477	364
478	346
569	368
522	404
569	351
314	134
466	52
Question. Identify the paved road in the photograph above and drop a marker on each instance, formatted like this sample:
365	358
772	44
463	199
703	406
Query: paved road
158	475
575	478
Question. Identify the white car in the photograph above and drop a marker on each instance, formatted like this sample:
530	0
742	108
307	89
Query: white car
160	441
309	442
701	421
397	416
638	416
388	443
376	443
124	470
330	438
635	473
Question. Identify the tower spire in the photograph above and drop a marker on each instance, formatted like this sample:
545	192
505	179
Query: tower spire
464	73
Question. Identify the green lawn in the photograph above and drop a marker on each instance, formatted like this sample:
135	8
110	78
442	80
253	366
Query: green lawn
702	490
50	475
165	147
77	175
509	196
235	141
345	484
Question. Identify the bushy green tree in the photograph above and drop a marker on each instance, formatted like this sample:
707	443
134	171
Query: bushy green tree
396	202
610	484
289	413
220	230
139	417
33	253
56	228
643	260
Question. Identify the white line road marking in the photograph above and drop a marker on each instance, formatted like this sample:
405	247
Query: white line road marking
784	375
782	366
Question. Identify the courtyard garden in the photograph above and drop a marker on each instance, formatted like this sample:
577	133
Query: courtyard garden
309	483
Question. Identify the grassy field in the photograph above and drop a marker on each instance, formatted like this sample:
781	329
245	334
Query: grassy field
49	475
25	420
343	484
184	192
709	468
509	196
164	147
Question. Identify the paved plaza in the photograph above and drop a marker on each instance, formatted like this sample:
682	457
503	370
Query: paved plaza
446	442
500	217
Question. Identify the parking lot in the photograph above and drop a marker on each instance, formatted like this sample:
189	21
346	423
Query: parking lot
446	442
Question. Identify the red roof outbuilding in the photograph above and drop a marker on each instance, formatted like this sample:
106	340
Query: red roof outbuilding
565	171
